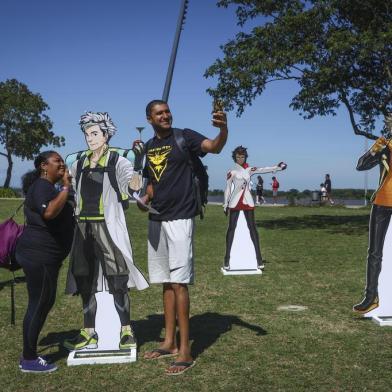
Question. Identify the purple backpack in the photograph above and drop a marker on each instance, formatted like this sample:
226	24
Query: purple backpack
10	231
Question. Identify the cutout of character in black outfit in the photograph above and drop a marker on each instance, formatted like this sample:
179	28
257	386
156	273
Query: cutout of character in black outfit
380	215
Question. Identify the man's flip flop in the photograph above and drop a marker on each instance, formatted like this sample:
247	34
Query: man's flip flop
186	366
162	354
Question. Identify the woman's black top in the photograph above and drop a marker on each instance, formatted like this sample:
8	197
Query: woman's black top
45	241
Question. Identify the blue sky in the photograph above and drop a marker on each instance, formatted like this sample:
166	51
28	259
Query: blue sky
113	56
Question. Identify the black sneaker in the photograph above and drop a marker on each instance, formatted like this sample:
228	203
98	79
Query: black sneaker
127	340
82	341
366	305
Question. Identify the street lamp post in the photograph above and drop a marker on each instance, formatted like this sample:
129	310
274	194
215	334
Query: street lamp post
140	129
180	23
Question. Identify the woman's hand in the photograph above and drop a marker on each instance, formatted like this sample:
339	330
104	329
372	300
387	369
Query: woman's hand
66	180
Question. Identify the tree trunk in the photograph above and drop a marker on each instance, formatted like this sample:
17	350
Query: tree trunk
9	171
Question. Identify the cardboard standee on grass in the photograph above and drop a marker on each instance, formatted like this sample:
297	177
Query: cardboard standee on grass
382	315
101	267
377	299
243	253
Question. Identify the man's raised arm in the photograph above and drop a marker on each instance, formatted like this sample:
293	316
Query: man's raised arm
216	145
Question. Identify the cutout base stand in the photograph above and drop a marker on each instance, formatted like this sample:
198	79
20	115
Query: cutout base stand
108	327
382	315
241	272
242	255
93	357
383	321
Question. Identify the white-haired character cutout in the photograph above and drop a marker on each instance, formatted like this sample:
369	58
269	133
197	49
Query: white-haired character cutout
102	120
101	256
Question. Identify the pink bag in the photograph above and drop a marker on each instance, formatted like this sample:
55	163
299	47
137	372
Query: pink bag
10	231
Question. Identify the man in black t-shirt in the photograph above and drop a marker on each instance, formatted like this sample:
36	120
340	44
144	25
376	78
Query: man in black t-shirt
328	187
170	234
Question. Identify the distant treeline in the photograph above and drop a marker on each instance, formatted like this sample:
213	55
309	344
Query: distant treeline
9	192
346	193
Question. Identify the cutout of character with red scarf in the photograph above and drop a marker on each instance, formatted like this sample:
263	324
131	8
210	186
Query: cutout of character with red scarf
239	198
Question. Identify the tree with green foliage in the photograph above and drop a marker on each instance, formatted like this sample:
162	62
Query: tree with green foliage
24	126
338	51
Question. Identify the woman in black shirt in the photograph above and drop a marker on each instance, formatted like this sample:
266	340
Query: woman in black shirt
44	244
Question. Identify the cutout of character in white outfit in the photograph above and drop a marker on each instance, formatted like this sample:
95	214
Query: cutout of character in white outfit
101	246
238	198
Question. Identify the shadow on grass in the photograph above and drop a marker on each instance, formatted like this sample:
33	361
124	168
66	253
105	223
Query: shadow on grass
149	329
56	339
349	225
205	329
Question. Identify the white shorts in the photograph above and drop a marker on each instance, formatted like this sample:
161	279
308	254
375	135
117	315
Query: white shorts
170	251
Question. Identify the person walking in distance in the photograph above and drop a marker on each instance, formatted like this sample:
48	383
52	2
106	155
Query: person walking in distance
328	187
275	187
260	190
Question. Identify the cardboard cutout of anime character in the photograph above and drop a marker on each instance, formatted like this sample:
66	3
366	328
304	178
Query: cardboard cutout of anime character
378	292
242	239
101	265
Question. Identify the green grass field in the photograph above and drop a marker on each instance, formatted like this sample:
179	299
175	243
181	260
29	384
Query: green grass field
315	257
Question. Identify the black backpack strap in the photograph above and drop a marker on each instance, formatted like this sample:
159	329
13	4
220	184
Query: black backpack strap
193	163
181	143
79	168
147	144
121	151
147	147
111	170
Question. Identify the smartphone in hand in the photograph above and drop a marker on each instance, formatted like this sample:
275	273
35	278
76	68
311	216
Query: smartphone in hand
217	106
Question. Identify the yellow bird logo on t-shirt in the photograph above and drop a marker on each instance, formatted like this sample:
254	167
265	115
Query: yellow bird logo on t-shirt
157	160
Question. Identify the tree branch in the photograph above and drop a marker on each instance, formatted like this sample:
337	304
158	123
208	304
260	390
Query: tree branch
283	78
274	17
4	155
388	70
356	129
297	68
